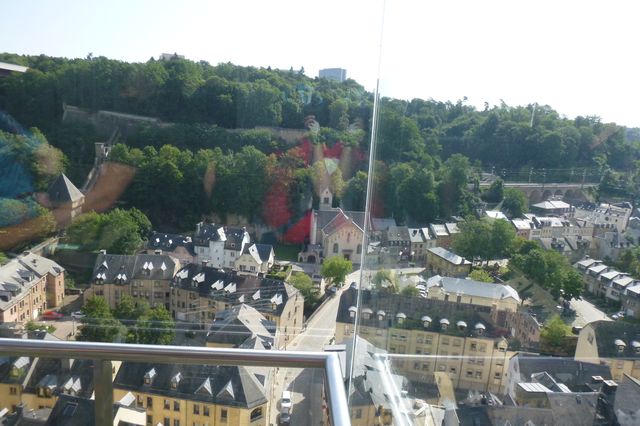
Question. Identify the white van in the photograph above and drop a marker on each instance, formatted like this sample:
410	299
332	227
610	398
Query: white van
285	403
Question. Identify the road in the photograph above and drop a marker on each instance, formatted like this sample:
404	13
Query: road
306	384
586	312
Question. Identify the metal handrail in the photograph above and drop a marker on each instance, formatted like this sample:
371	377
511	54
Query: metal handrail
328	361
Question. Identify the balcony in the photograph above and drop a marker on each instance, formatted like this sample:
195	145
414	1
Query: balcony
112	403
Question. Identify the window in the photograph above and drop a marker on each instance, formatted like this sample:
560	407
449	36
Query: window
139	401
359	413
149	419
13	391
474	347
497	375
166	422
205	410
176	406
469	373
478	374
223	415
176	422
196	409
335	247
149	401
167	405
452	370
256	414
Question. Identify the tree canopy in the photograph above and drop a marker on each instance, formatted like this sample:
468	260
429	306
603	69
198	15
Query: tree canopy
335	269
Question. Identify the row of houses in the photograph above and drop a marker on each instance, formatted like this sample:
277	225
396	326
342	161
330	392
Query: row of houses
194	293
219	246
147	392
605	281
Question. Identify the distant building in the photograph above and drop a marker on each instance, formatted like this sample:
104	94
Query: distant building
29	285
7	69
170	56
458	338
256	259
553	207
175	245
443	262
499	296
220	246
337	74
334	232
142	276
65	199
421	241
199	292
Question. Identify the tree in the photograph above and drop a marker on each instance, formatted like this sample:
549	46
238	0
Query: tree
503	238
355	192
553	332
515	202
304	284
495	192
336	269
155	328
480	275
410	291
98	324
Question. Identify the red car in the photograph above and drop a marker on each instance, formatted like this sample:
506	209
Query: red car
52	315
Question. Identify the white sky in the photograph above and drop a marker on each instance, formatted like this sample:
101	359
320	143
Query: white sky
577	56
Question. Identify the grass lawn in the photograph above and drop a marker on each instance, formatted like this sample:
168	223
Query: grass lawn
287	252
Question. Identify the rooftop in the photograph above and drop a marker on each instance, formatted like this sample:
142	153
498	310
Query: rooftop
473	288
449	256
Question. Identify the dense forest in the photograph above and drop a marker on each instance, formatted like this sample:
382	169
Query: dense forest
211	158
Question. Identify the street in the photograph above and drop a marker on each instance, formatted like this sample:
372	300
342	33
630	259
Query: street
306	384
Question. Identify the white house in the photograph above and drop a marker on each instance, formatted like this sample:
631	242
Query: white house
256	259
220	246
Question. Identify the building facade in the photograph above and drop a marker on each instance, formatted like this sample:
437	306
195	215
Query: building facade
443	262
29	285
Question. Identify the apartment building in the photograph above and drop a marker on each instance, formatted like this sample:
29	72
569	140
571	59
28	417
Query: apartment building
256	259
241	326
441	261
606	281
612	343
175	245
220	246
460	290
421	241
186	395
198	292
29	285
437	336
142	276
34	383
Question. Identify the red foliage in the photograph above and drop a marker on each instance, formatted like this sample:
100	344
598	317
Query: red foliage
299	232
275	208
335	151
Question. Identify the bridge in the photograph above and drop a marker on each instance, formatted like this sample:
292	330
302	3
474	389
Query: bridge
537	192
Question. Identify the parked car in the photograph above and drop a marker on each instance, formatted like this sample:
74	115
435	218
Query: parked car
77	315
285	419
285	403
333	291
52	315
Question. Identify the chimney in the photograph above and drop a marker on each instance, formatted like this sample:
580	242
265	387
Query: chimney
609	387
158	251
596	379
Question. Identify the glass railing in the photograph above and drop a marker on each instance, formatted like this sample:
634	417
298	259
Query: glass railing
145	384
185	241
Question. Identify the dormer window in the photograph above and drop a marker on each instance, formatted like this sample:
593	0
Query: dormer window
426	321
636	346
352	311
480	328
400	317
366	313
149	375
461	325
381	315
175	381
444	324
620	345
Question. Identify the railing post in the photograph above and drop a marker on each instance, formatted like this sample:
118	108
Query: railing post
103	385
336	395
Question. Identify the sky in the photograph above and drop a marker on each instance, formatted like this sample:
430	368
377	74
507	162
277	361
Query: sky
579	57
